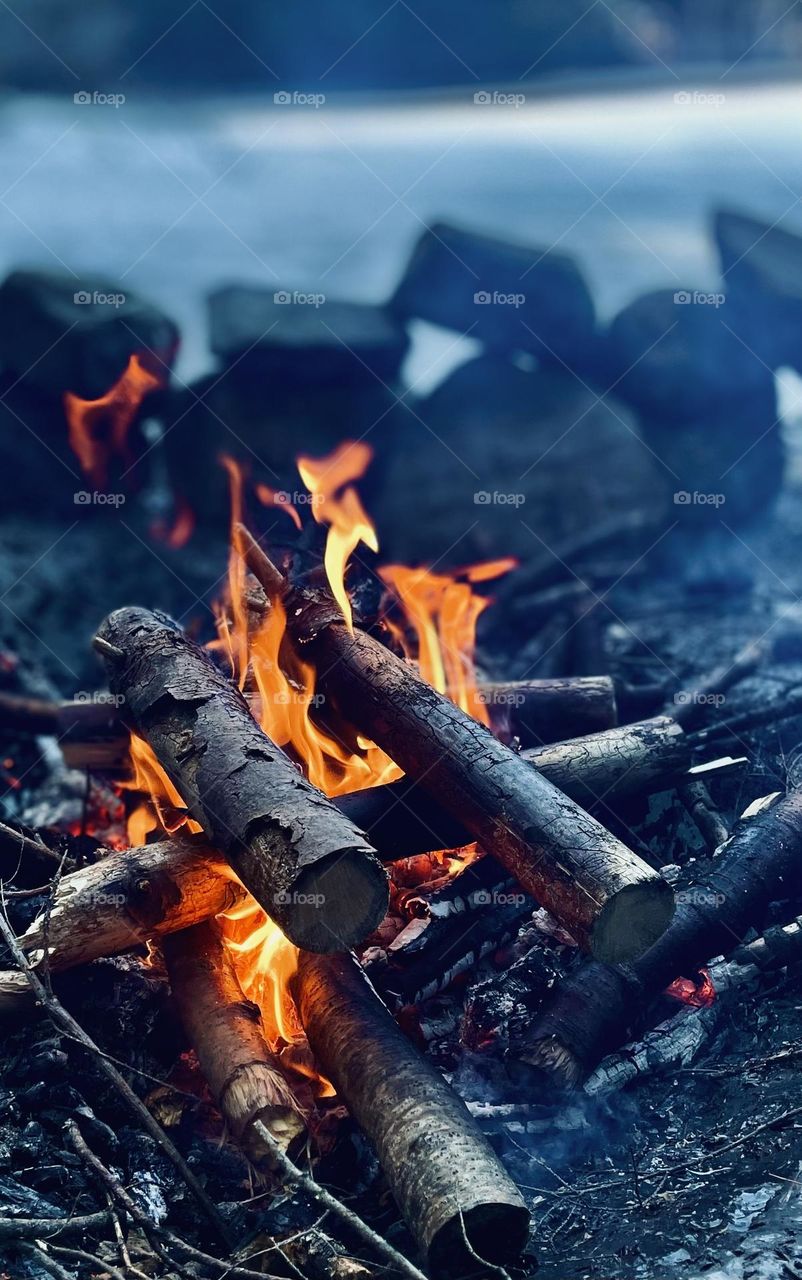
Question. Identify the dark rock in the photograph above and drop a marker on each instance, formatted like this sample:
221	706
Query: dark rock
61	333
512	297
501	460
761	266
672	354
724	465
302	338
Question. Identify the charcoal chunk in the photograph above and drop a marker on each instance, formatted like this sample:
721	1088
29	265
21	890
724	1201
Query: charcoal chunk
673	353
59	333
303	338
761	268
512	297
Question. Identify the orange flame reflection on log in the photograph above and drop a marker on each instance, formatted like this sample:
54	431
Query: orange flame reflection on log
98	429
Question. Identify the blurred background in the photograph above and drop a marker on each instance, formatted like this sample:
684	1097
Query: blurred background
176	154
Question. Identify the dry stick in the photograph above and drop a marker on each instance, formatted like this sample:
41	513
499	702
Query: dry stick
65	1022
24	844
443	1175
152	1231
591	1011
306	864
80	1255
689	704
609	899
293	1176
33	1228
225	1031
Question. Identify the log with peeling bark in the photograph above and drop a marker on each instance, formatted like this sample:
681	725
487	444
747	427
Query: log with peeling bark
592	1011
225	1030
456	1198
122	901
306	864
610	900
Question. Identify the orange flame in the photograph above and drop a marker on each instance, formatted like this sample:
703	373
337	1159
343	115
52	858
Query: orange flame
335	502
98	429
281	688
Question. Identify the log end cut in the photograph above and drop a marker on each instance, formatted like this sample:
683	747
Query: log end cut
632	920
495	1233
334	903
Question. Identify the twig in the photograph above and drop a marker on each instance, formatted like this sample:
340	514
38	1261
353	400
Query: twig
80	1255
152	1230
67	1024
291	1174
50	1265
33	1228
23	842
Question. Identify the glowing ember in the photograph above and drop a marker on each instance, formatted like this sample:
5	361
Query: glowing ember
98	429
700	994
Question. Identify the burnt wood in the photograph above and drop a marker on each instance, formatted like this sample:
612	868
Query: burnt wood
306	864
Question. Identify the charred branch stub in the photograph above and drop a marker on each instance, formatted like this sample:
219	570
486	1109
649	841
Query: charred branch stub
306	864
550	710
609	899
452	1190
226	1033
592	1011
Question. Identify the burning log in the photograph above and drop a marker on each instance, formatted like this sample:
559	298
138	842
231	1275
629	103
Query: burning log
609	899
306	864
226	1033
121	902
593	1009
454	1194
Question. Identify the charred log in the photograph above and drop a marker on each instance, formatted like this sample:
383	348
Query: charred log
609	899
454	1194
593	1010
310	868
550	710
225	1031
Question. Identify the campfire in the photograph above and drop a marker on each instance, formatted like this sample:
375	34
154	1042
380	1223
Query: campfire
404	918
